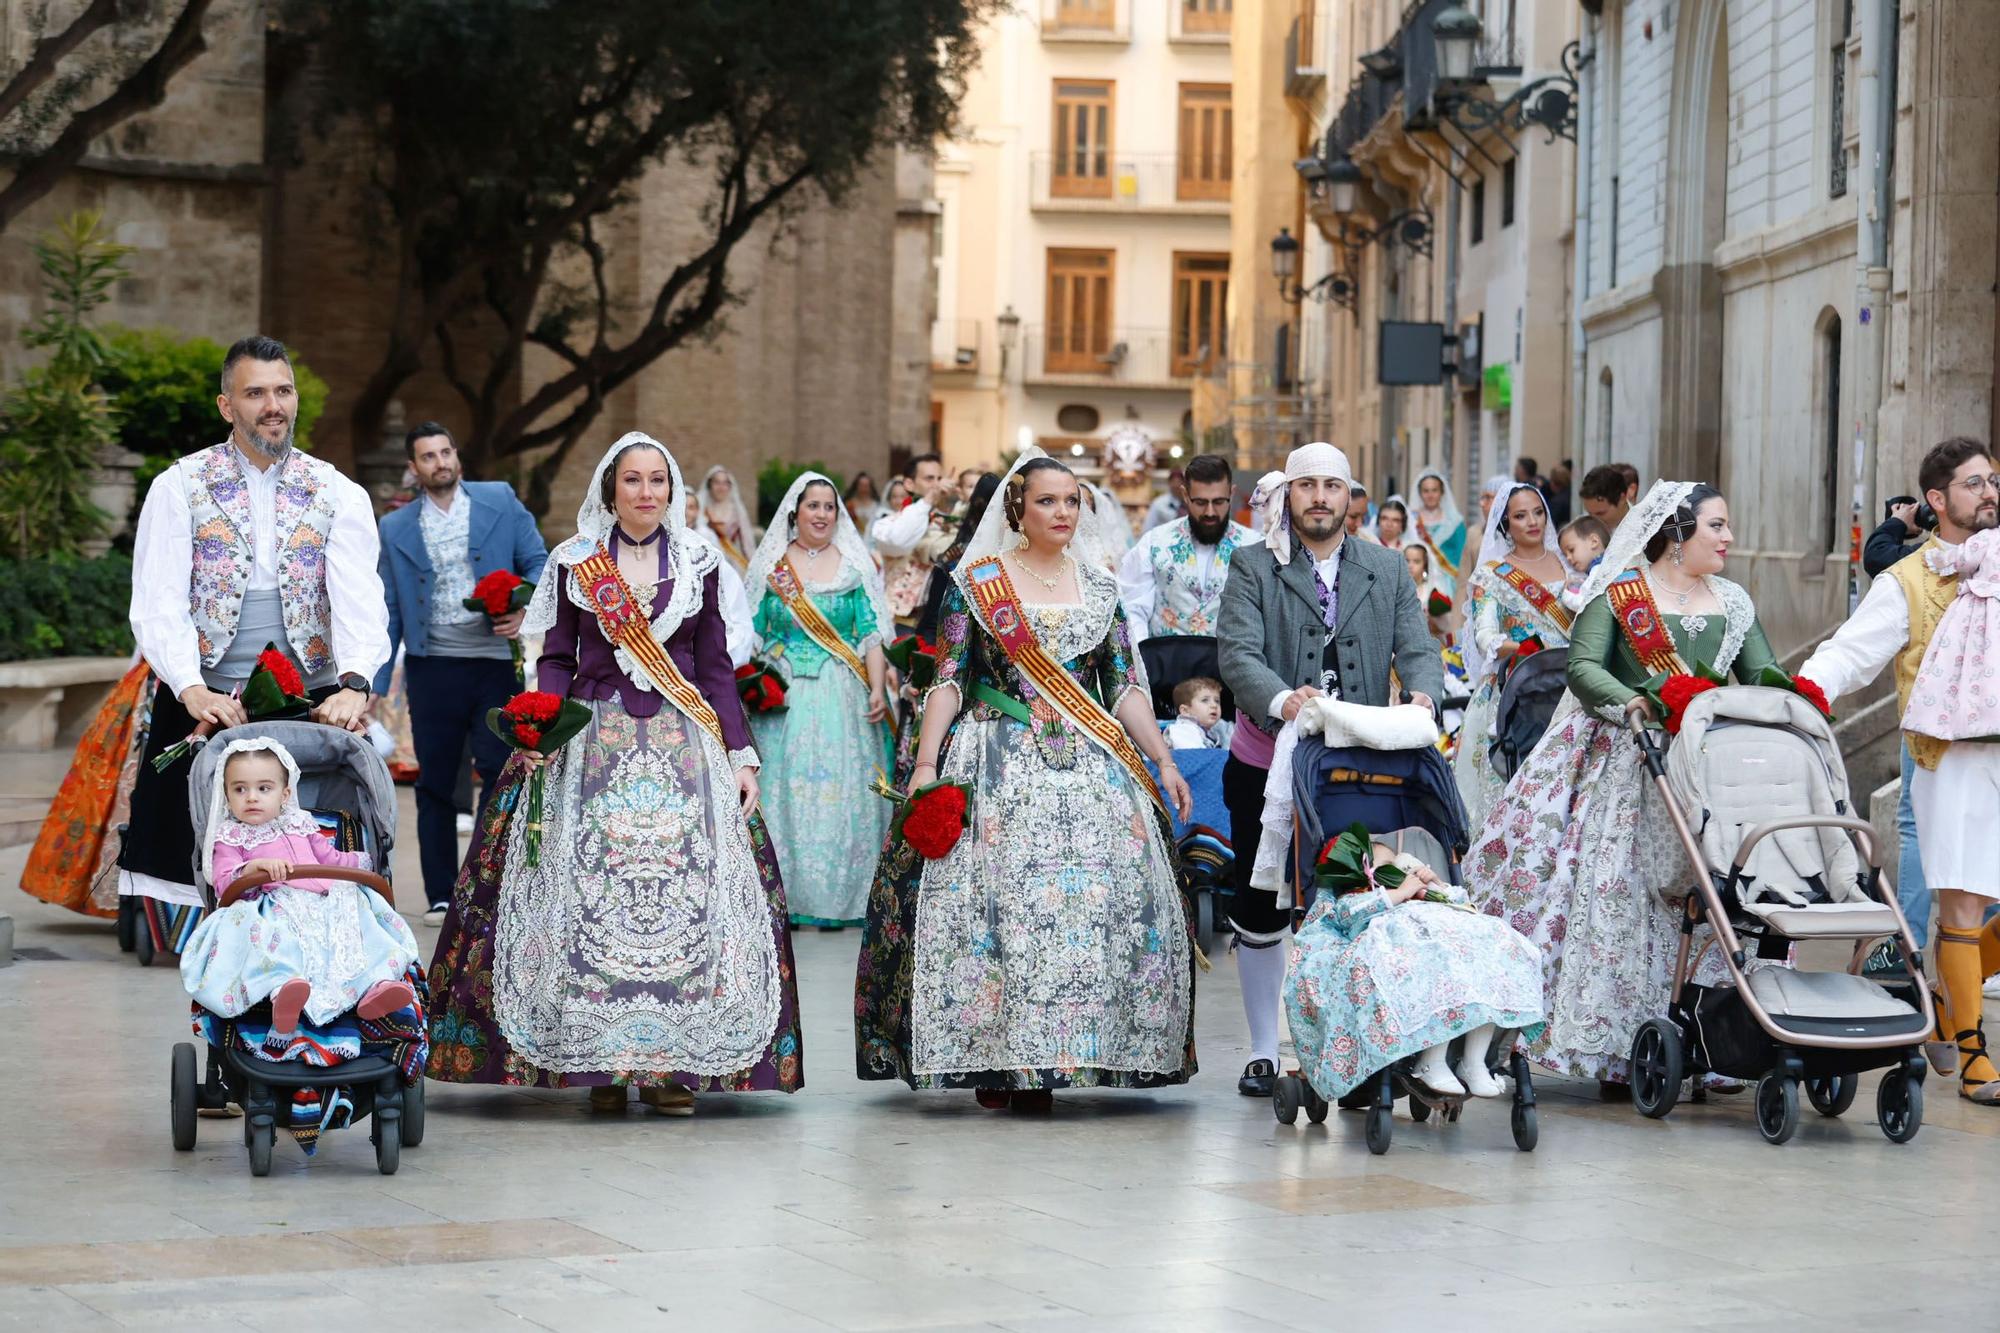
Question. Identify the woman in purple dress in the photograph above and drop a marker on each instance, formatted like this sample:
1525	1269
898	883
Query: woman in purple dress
647	945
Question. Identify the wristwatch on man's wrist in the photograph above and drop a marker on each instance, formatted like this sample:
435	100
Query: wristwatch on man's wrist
351	680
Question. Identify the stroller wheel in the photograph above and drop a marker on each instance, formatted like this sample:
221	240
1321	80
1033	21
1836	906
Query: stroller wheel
1833	1094
1285	1098
128	924
1656	1067
1381	1126
142	940
413	1114
182	1096
1777	1107
1204	922
1420	1110
1527	1130
1899	1106
388	1146
260	1137
1316	1107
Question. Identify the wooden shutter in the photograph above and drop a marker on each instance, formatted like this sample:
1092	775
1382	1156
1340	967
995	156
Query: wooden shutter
1084	14
1079	311
1205	150
1205	15
1201	296
1081	161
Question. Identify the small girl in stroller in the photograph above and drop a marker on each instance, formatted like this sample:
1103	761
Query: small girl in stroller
1390	963
312	947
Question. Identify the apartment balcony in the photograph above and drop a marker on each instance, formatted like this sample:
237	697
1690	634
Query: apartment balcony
1305	65
1086	21
957	346
1122	358
1093	181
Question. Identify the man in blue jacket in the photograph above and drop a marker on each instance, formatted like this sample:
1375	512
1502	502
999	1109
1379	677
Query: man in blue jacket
457	663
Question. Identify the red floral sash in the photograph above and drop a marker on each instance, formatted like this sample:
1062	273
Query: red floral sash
1535	595
1638	617
627	625
1000	608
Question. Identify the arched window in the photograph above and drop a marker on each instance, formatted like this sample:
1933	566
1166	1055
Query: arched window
1836	518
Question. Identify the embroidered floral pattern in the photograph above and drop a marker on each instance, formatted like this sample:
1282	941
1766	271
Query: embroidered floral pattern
219	507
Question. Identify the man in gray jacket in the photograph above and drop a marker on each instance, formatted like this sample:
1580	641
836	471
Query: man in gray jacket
1307	613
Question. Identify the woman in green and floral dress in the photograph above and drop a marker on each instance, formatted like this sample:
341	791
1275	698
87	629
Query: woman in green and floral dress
1578	851
821	618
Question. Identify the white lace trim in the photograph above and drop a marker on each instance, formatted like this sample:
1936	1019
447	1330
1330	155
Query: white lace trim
744	758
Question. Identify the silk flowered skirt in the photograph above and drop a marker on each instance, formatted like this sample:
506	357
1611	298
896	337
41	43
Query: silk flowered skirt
1580	856
1414	976
630	964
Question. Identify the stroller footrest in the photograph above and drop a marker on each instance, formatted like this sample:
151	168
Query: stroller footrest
1826	920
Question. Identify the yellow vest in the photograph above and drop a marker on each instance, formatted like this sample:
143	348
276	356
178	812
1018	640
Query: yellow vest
1928	593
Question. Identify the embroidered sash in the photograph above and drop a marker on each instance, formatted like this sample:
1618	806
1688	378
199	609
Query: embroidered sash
1638	617
730	549
626	625
1445	562
1000	608
784	581
1536	595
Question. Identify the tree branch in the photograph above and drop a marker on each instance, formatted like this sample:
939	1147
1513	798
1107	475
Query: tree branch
142	90
41	66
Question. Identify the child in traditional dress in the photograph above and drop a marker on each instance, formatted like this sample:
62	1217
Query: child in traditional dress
315	947
1583	541
1956	696
1390	963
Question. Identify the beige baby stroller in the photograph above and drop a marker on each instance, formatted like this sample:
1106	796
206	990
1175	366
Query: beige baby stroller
1757	792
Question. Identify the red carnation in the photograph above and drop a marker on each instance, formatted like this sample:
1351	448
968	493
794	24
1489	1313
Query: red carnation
537	706
1530	646
747	670
528	734
495	592
1812	694
1677	694
934	820
283	672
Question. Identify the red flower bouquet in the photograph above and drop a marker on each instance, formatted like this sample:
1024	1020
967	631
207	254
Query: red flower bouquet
761	687
1671	694
916	658
1529	647
1440	604
275	690
931	819
1778	679
543	722
499	594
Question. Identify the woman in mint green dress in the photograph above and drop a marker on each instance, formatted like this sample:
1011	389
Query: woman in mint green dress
821	618
1579	853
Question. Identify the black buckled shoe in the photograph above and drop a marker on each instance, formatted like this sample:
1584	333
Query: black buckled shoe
1260	1079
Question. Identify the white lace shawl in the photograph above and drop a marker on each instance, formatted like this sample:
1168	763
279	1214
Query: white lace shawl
857	566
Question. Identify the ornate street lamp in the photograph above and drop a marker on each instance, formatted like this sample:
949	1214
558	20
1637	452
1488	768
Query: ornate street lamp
1284	257
1343	183
1456	31
1010	335
1548	103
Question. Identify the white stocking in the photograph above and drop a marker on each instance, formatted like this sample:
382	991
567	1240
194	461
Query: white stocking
1262	972
1472	1064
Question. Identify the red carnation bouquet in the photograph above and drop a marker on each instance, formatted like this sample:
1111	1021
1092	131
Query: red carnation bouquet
1440	604
1529	646
932	818
916	658
1672	693
1777	678
760	685
502	593
543	722
275	690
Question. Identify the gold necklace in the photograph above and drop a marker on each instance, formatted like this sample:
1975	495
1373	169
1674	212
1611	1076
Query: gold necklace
1052	582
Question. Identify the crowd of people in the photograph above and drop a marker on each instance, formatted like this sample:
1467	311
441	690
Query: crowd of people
622	917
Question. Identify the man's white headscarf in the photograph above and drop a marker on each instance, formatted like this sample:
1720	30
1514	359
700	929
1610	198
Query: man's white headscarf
856	564
1318	459
689	559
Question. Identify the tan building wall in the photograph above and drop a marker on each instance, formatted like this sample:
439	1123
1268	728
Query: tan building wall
183	185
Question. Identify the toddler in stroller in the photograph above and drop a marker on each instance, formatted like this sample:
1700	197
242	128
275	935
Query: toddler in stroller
303	977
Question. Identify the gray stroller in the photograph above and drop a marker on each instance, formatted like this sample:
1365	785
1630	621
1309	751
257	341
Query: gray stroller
342	781
1758	795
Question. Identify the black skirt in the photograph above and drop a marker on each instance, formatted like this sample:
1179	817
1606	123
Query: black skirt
159	835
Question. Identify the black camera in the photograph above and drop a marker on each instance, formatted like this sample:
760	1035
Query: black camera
1925	518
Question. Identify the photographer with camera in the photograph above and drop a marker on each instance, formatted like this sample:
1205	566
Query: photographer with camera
1905	520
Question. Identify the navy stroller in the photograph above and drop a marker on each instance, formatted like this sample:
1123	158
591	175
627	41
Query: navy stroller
349	1069
1530	689
1202	843
1409	800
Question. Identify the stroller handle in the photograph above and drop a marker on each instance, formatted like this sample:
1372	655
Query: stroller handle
257	879
1861	831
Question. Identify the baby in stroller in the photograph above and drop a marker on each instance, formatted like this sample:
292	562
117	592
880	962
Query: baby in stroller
1390	963
315	947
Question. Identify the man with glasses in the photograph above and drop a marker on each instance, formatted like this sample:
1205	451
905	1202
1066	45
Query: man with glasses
1171	580
1954	785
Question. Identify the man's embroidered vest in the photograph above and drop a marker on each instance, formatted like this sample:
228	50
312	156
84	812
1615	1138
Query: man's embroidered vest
1928	594
1183	601
219	510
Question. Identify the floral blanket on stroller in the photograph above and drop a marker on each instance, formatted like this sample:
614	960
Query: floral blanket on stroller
403	1037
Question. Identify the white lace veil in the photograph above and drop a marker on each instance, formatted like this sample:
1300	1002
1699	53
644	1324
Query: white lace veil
856	564
1628	545
224	827
732	510
1114	529
1447	506
689	559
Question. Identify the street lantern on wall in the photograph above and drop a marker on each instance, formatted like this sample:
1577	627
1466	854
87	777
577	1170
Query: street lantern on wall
1463	95
1009	324
1343	183
1284	257
1456	31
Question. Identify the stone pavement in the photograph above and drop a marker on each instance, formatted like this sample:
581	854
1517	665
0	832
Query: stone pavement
866	1206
